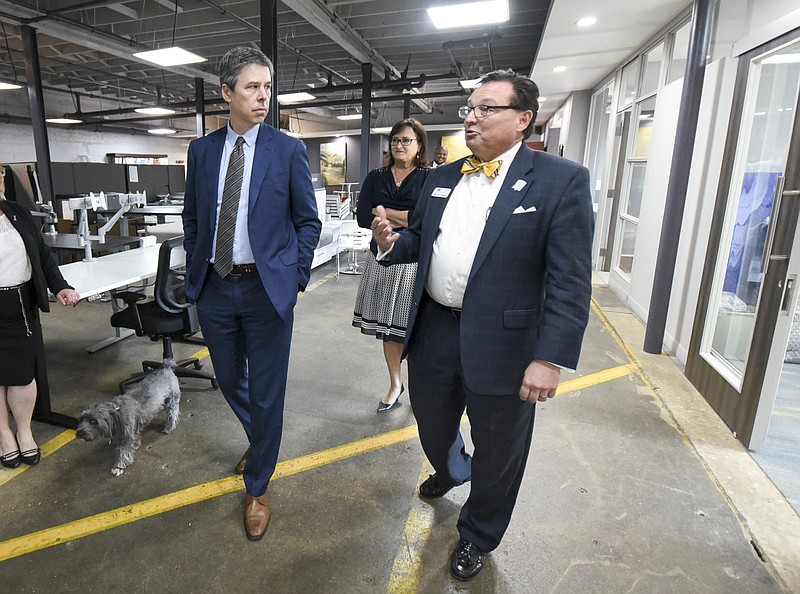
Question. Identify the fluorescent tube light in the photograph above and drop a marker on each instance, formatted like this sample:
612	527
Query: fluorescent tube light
352	116
64	120
162	131
155	111
295	97
586	21
9	86
170	56
559	69
469	14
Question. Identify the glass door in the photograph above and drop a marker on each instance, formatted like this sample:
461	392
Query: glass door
746	278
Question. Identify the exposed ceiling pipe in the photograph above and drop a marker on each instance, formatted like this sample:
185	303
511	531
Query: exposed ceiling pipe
449	46
317	13
91	38
224	11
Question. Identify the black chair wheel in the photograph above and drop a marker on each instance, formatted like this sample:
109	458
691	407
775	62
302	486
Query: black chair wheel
198	365
214	384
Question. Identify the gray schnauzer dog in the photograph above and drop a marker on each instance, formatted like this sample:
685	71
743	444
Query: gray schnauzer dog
122	419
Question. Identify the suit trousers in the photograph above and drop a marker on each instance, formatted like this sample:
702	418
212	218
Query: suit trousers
501	427
249	345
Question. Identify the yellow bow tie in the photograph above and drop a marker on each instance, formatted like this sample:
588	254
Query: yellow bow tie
473	164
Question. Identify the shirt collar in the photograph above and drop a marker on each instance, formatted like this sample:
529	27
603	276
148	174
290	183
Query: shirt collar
249	136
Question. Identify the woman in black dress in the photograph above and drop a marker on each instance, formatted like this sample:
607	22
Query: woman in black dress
384	295
27	270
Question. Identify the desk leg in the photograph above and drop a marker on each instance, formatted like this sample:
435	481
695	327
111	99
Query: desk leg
119	333
42	411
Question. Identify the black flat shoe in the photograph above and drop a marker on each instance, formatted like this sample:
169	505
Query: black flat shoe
467	561
383	407
12	459
31	457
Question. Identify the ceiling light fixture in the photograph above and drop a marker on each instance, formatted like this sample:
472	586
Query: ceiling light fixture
154	111
157	109
469	14
559	69
9	86
170	56
295	97
350	116
161	131
470	84
586	21
65	120
542	100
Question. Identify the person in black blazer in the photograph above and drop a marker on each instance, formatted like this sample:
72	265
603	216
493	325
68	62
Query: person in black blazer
501	301
27	270
247	312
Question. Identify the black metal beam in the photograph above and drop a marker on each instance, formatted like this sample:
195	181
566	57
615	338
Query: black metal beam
699	43
366	110
269	45
200	107
36	103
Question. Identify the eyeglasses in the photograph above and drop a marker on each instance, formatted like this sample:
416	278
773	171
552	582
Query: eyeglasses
481	111
404	141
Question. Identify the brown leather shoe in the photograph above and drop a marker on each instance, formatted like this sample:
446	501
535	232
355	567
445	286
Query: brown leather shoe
256	516
239	468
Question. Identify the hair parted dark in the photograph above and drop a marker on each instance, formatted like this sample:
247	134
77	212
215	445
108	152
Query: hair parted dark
422	140
526	93
237	58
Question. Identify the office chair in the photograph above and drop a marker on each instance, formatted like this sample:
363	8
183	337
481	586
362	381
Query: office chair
167	317
355	239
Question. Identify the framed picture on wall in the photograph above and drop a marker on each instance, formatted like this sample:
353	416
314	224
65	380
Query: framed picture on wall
333	162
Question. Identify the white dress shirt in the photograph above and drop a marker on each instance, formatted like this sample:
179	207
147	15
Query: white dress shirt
460	231
242	253
16	267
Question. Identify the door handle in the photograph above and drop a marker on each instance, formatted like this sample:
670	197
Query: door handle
788	292
780	193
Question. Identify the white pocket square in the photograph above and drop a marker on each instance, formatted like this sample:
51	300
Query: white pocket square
520	210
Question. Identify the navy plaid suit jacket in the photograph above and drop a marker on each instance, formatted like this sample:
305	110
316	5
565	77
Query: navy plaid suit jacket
529	289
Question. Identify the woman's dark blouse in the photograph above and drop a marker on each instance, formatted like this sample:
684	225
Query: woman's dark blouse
379	189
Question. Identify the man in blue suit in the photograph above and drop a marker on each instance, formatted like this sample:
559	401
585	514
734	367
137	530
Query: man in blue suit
250	229
503	240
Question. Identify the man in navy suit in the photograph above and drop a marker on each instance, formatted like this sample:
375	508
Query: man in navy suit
503	240
245	267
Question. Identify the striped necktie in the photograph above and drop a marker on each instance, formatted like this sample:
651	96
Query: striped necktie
226	226
473	164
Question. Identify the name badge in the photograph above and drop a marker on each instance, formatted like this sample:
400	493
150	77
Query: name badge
440	192
518	185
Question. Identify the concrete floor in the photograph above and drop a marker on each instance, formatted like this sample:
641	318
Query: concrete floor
633	485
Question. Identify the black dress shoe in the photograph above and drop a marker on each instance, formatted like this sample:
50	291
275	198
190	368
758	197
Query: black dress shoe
383	407
434	487
31	457
12	459
467	561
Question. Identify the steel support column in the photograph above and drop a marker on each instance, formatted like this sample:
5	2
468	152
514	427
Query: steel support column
36	103
269	45
200	106
699	43
366	110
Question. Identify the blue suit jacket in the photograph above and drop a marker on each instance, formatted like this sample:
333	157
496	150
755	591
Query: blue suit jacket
528	293
283	225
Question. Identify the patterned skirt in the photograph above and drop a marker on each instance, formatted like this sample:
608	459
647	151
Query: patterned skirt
384	299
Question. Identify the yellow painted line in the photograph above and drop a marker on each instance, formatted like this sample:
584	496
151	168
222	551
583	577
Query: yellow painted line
626	348
51	446
407	568
593	379
127	514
